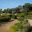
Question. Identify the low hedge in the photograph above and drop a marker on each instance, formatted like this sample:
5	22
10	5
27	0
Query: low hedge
5	19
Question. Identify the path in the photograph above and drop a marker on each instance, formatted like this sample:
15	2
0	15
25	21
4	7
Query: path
30	21
5	27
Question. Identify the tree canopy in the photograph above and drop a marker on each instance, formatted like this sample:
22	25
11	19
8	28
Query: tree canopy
26	7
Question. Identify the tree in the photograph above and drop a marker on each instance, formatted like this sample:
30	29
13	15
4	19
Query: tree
18	8
0	10
5	11
27	7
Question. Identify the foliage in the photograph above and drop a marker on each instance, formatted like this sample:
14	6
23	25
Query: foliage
21	14
5	18
26	11
27	7
13	28
21	26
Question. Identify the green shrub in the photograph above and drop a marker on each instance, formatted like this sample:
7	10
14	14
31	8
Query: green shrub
13	28
5	19
13	16
21	14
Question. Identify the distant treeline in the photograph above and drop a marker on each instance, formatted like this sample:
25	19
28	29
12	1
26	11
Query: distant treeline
26	7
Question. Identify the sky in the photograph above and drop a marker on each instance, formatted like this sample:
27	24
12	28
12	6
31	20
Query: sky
12	3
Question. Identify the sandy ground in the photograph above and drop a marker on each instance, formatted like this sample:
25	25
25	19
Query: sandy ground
30	22
5	27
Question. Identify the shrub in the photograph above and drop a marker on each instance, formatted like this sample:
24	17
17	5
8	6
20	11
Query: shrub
13	28
21	27
21	14
5	19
